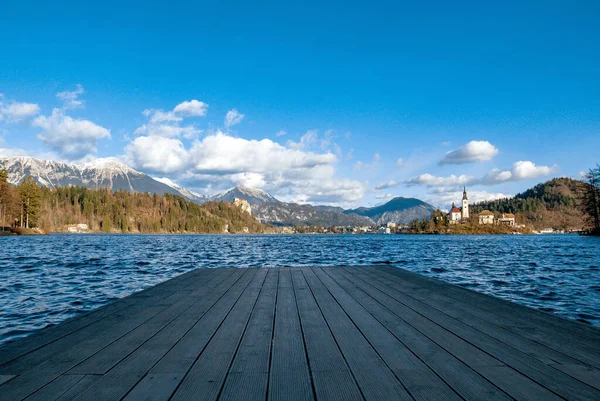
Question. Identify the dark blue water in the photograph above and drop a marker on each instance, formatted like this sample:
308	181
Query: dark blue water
47	279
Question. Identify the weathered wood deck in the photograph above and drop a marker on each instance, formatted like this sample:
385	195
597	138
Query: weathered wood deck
306	334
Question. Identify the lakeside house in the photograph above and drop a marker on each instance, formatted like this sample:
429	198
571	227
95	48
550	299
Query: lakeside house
486	217
507	219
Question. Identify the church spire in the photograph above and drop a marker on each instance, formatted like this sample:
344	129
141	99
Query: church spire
465	193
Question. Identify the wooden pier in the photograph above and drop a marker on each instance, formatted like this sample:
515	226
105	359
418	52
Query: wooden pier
365	333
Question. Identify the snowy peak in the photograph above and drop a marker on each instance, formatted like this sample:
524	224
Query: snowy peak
186	193
101	173
252	195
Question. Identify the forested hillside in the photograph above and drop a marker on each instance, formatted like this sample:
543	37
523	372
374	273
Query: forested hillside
121	211
555	204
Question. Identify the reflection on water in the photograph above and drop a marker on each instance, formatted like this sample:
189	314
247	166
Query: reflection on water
46	279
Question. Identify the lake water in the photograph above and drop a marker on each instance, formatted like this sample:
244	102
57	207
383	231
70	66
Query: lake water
47	279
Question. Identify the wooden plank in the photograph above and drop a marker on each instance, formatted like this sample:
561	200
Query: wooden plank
374	378
583	373
6	378
56	388
245	386
464	380
549	348
124	376
331	375
80	387
458	347
249	373
419	380
155	387
52	333
205	379
484	322
532	323
36	377
103	361
289	377
95	333
560	384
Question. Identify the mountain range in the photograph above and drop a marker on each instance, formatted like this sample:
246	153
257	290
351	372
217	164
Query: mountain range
109	173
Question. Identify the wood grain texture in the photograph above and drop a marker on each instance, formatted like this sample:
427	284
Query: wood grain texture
325	334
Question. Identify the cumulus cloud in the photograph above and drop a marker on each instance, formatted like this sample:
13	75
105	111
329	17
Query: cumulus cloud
233	117
71	98
389	184
280	133
18	111
220	160
474	151
72	138
433	181
159	154
520	171
191	108
168	123
224	153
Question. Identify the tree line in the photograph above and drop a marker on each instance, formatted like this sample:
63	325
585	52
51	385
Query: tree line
28	205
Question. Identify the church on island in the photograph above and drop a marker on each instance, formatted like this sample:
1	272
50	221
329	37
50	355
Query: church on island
456	215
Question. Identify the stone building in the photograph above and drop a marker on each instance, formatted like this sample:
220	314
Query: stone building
507	219
486	217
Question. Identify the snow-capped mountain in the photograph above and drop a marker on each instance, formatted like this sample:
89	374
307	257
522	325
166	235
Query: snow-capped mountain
109	173
101	173
252	195
186	193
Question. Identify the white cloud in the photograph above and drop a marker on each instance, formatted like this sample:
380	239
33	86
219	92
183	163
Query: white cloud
221	160
307	140
233	117
157	154
191	108
443	197
383	196
520	171
224	153
4	152
433	181
389	184
280	133
365	166
72	138
167	123
18	111
400	162
474	151
159	116
71	98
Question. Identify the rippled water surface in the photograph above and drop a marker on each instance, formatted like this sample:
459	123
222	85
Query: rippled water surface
47	279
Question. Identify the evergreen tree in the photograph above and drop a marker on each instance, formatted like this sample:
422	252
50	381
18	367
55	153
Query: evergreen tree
591	196
30	202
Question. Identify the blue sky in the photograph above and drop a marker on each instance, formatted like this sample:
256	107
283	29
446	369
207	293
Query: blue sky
332	95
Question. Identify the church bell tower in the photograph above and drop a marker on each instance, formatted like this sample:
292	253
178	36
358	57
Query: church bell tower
465	204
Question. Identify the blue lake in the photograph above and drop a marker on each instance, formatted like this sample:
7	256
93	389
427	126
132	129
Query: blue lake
47	279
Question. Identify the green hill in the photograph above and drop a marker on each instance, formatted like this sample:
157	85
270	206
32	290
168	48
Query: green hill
554	204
